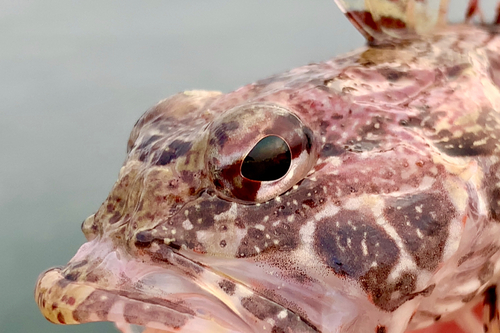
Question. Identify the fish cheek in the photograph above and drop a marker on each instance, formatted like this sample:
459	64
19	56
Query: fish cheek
351	244
354	246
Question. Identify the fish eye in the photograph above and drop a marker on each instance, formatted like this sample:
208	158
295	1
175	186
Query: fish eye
257	152
269	159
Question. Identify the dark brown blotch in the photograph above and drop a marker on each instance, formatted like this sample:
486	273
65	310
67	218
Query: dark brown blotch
260	307
221	133
464	144
115	218
359	249
456	70
228	287
202	216
490	301
494	59
486	272
98	303
330	149
341	247
72	275
60	318
422	221
136	313
287	235
144	238
494	201
391	74
390	295
176	148
152	139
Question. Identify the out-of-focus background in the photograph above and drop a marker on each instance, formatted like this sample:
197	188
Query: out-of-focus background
74	78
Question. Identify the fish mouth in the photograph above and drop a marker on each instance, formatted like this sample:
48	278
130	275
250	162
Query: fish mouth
104	283
101	283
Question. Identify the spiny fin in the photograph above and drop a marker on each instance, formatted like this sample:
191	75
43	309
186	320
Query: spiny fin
393	21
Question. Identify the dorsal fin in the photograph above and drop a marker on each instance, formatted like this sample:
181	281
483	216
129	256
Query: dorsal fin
382	21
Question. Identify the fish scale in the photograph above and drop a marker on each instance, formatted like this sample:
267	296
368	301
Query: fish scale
361	194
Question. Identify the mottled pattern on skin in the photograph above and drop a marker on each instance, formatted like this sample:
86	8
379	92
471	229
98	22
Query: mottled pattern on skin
393	191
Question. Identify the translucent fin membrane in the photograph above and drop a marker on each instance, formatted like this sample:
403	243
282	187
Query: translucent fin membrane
385	20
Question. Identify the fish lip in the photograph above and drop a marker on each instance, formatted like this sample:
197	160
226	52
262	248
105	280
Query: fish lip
63	301
65	297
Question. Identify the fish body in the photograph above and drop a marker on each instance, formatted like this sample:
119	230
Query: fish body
361	194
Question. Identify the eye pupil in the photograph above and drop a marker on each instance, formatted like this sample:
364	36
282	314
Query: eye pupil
269	160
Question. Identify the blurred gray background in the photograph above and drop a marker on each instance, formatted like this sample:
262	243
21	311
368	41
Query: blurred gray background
74	78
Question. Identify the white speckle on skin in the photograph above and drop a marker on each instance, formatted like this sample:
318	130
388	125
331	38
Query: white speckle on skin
154	247
290	218
260	227
480	142
419	233
364	247
283	314
353	226
307	232
418	208
187	224
328	211
270	321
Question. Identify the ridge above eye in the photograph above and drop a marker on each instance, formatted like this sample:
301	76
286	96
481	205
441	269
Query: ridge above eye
270	159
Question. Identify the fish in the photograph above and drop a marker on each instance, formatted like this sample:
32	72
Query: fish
359	194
